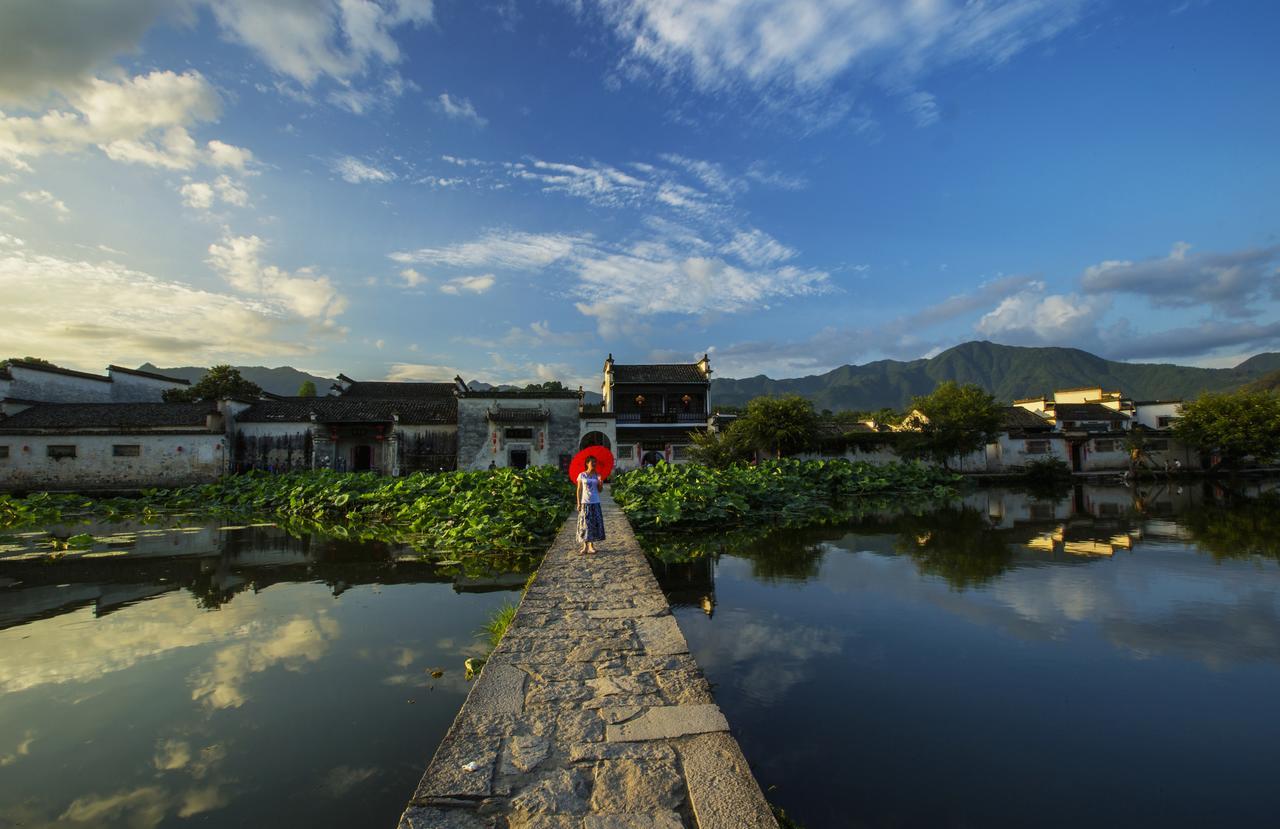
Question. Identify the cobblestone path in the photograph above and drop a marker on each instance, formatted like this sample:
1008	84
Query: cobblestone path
590	714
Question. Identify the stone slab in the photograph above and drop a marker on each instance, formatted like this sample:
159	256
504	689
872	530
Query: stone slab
499	690
430	817
448	777
722	790
667	722
661	636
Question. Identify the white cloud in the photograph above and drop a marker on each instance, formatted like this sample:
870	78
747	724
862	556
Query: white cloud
47	199
468	284
710	173
757	248
359	101
104	308
412	278
306	293
459	109
55	47
497	249
923	107
140	120
1033	316
598	183
202	195
309	39
792	50
1227	281
355	171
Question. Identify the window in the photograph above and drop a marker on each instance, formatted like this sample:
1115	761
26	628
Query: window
1106	445
1037	447
1157	446
519	433
1164	422
679	452
126	450
626	450
4	452
60	452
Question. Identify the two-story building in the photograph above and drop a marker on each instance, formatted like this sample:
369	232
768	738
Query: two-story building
656	408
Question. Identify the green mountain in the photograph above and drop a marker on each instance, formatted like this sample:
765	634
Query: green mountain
1267	382
282	380
1009	372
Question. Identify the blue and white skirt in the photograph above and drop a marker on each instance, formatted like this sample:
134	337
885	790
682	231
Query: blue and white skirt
590	523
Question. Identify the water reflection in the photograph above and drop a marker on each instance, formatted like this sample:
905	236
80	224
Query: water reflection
964	665
239	675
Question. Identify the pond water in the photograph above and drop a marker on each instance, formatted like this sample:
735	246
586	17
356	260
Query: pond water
230	676
1099	658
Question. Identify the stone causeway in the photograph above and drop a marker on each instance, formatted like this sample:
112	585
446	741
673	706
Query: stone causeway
591	713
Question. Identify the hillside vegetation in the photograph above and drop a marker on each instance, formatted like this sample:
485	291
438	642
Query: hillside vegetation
1005	371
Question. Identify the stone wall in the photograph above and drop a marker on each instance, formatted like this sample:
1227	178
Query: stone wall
481	442
273	447
173	459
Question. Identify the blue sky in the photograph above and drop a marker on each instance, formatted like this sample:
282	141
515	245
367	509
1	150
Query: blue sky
408	189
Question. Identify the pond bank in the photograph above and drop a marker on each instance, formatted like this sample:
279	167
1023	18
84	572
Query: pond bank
590	710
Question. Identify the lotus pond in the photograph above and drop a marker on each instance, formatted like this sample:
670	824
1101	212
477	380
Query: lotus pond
1098	657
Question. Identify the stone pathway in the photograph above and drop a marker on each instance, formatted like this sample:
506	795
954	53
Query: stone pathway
590	714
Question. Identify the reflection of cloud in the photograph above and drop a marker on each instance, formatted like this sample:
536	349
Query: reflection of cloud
343	779
142	807
766	657
121	640
176	755
406	657
297	642
23	749
1218	635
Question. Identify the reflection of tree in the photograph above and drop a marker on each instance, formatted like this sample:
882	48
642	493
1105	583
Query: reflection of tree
1237	527
958	544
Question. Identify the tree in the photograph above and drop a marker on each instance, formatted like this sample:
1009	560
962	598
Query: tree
781	425
718	449
550	385
1233	425
40	361
957	420
307	389
219	382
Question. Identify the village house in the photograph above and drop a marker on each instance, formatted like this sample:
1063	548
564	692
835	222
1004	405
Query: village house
120	446
24	383
656	407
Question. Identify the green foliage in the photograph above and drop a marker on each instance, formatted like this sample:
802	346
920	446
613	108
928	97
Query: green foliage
1047	470
39	361
1238	528
496	627
1234	425
778	425
782	491
497	512
550	385
220	382
719	449
959	420
307	389
1267	382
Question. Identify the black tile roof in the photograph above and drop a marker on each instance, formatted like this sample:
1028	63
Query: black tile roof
1016	417
1085	412
58	370
518	414
347	410
108	416
520	394
399	391
150	374
658	373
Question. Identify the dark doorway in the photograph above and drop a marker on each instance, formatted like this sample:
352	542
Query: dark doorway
519	458
361	458
1077	456
652	458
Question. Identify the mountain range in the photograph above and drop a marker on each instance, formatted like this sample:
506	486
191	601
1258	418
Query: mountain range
1006	371
284	380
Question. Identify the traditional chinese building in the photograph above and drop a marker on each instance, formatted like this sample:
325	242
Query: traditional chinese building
656	408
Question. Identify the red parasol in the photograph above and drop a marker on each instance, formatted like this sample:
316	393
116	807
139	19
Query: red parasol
604	462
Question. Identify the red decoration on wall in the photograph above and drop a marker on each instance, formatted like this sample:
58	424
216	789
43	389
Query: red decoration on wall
604	462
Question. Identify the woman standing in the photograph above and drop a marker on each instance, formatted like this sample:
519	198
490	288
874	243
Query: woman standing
590	516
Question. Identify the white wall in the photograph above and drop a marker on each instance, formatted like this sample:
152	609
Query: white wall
1149	414
165	460
133	388
51	387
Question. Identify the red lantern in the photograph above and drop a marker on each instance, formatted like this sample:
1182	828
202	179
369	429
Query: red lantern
604	462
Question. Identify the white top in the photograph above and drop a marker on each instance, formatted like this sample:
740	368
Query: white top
592	484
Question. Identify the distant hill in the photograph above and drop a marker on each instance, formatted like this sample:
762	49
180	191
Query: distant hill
282	380
1006	371
1267	382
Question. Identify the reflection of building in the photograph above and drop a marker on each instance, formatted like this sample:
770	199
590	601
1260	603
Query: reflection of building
656	408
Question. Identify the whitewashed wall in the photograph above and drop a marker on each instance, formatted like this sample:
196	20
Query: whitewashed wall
133	388
51	387
164	460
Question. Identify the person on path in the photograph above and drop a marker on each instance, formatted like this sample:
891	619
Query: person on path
590	515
